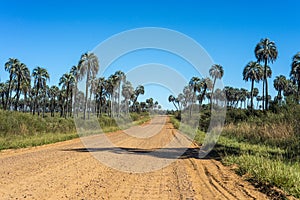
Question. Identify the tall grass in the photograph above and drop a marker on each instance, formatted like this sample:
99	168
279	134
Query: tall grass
266	153
18	130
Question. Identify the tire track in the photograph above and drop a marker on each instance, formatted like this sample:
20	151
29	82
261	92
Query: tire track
66	170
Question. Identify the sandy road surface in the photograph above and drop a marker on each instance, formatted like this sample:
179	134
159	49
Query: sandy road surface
67	170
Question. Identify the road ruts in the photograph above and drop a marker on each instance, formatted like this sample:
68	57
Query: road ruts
65	171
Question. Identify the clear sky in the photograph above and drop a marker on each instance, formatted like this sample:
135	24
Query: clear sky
54	34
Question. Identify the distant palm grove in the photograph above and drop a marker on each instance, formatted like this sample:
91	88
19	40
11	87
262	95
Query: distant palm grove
259	70
29	92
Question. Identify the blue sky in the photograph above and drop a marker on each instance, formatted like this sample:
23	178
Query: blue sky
54	34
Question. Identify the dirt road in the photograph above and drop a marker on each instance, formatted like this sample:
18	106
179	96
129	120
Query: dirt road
67	170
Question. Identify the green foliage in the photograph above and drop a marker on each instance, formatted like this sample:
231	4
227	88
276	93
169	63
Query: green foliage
264	145
16	123
18	130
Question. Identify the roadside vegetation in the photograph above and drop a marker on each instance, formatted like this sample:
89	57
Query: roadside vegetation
20	130
34	113
261	135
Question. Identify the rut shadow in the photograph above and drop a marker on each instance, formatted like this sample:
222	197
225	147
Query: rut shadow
167	153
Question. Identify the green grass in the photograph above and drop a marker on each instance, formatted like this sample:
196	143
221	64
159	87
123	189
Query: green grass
265	162
19	130
262	163
277	172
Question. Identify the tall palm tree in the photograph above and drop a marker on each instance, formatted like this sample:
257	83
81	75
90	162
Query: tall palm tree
22	74
180	101
10	66
120	77
53	94
111	84
295	73
188	95
100	95
252	71
266	52
216	72
75	72
3	92
137	92
258	99
206	84
40	76
290	89
243	96
150	103
127	92
25	89
195	84
280	83
67	82
172	99
88	67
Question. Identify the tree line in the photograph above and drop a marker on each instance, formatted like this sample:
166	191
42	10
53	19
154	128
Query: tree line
200	89
30	92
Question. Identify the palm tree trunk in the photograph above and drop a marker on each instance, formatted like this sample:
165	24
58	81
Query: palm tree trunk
298	92
18	95
203	94
252	86
86	91
266	85
119	94
71	103
8	94
175	105
212	93
263	96
67	104
74	100
25	101
35	100
44	105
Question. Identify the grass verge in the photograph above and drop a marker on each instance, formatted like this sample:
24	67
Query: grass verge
19	130
264	164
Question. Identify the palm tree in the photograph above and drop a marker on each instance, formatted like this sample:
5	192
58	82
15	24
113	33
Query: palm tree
258	99
188	95
266	51
295	73
111	84
22	76
119	78
180	101
195	85
40	76
172	99
75	72
137	92
243	96
252	71
290	89
149	103
88	66
127	92
216	72
206	84
3	92
100	95
280	83
67	81
53	94
10	67
25	89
